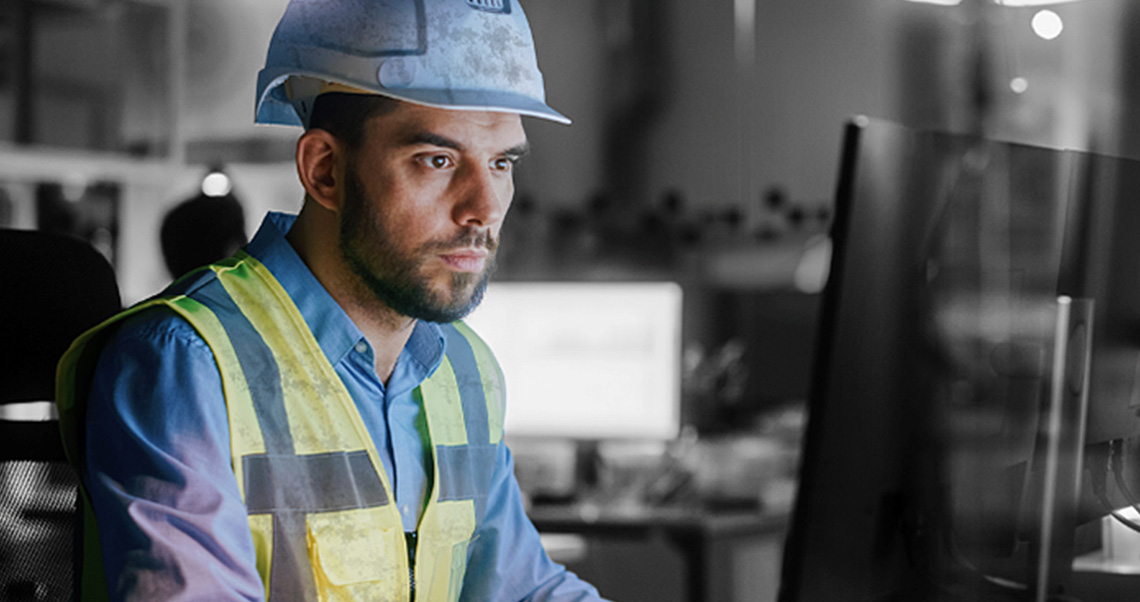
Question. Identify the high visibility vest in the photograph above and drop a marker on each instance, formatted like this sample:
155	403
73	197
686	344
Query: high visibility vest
324	521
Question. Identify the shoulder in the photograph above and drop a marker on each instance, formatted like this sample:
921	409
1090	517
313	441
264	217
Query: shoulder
150	355
156	327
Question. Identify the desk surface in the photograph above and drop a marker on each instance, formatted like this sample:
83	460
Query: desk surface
587	518
727	555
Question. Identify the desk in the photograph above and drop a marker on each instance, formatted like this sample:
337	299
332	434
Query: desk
727	556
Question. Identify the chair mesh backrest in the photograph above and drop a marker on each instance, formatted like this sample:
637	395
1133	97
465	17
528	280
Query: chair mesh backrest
54	288
37	528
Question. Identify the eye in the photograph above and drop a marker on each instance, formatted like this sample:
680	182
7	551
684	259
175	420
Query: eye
437	161
503	163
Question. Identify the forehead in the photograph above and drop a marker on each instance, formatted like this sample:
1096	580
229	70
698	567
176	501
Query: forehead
407	124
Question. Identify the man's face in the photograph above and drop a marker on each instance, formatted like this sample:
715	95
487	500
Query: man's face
425	197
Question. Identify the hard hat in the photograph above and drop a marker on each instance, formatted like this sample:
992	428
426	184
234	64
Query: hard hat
452	54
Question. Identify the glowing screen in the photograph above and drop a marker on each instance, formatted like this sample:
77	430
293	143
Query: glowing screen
586	360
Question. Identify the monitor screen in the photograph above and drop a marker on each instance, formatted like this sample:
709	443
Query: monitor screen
1102	262
931	396
586	360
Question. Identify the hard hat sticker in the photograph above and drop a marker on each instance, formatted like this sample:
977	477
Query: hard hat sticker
397	72
356	27
492	6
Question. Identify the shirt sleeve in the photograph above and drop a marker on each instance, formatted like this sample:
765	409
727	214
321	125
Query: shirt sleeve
506	559
171	520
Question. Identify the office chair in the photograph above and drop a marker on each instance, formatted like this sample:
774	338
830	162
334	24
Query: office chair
54	287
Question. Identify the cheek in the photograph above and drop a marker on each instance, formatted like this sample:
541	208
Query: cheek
400	210
411	229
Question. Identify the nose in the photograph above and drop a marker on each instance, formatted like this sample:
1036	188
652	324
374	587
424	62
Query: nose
484	198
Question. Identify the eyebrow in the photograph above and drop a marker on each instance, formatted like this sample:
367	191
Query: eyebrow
518	151
433	139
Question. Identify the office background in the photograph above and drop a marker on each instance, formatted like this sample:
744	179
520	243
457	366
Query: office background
705	150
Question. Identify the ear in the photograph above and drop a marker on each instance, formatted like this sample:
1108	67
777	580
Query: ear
320	156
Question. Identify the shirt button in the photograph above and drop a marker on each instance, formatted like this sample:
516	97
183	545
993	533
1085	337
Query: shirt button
362	347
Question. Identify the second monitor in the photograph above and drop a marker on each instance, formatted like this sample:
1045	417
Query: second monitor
587	360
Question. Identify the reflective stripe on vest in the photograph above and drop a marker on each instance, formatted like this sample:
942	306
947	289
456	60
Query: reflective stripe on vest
319	502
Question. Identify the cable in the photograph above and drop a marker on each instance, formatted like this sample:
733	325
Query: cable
1116	461
1100	485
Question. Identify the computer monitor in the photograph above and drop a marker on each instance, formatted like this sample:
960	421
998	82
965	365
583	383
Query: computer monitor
1102	262
942	454
586	361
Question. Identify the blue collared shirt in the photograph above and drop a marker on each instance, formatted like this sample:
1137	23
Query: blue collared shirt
171	520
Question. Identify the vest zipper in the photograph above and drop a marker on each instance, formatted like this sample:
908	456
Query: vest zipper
410	538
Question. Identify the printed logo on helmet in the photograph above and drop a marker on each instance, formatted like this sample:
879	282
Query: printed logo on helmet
491	6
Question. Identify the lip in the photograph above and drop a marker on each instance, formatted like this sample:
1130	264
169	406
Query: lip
465	260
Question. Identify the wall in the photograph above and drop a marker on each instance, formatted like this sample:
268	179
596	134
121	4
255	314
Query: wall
745	103
740	124
564	167
746	113
731	126
226	43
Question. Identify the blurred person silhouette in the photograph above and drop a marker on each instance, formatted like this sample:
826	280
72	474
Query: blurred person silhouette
201	230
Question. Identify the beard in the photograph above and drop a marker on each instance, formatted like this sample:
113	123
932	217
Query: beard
396	278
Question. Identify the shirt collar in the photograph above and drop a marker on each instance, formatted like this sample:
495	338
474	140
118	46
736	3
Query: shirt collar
335	332
422	354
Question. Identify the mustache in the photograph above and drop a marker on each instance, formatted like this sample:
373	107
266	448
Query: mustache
470	237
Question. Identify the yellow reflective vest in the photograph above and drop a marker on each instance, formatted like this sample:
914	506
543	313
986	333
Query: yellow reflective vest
321	509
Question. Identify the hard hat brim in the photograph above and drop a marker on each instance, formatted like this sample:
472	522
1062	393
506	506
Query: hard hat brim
273	107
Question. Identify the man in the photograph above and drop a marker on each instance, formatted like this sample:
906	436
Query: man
306	420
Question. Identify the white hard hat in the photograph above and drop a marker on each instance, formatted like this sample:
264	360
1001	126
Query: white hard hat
453	54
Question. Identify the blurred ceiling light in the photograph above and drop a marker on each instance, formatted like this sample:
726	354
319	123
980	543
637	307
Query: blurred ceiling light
1031	2
1001	2
1047	25
1019	85
216	184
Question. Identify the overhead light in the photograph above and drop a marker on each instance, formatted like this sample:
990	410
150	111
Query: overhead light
216	184
1047	25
